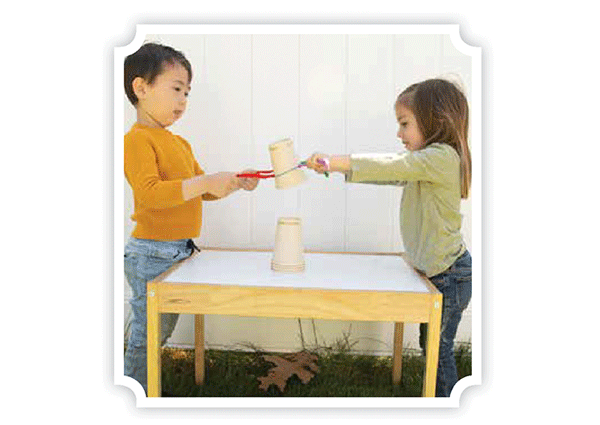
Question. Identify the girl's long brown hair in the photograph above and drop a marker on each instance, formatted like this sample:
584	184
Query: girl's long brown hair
442	114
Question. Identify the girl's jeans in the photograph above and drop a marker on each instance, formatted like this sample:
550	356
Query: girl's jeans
455	286
144	260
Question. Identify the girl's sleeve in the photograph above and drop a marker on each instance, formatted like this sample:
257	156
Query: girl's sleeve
141	171
429	164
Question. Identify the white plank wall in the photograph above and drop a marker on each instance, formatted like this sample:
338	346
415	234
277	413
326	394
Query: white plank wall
332	93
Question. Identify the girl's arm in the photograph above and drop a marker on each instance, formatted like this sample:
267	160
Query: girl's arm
322	163
340	164
436	163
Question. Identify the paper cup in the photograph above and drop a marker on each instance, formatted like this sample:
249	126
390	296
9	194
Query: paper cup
288	254
282	160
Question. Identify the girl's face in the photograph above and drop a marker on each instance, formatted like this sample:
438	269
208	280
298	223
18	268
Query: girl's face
408	130
164	101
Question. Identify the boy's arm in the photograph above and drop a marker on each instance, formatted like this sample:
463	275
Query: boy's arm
216	186
142	173
191	189
143	176
194	187
199	171
210	187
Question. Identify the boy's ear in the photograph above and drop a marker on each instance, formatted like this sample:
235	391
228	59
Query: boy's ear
139	87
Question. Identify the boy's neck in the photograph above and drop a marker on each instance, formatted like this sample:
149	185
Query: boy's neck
145	119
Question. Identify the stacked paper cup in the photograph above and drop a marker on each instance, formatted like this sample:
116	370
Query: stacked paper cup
288	255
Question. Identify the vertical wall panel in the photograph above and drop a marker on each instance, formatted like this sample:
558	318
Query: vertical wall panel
454	62
370	128
223	123
322	128
274	117
418	57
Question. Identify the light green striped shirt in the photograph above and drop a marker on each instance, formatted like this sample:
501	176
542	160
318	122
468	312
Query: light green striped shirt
430	216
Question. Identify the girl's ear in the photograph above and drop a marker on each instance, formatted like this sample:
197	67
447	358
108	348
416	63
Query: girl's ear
139	87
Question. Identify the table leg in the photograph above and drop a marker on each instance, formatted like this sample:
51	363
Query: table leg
153	347
199	352
397	357
433	346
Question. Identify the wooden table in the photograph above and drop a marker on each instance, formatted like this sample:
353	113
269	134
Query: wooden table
337	286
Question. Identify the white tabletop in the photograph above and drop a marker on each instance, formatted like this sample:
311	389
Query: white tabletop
322	271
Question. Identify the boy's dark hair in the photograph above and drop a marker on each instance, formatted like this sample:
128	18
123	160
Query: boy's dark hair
148	63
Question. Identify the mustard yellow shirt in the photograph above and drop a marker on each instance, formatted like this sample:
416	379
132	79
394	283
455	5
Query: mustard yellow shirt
430	218
156	162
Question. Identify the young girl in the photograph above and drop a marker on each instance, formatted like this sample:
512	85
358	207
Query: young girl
168	185
436	173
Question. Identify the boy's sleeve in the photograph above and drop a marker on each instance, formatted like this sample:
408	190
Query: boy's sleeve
199	171
429	164
141	171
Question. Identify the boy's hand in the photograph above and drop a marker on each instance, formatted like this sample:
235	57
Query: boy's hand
319	162
222	184
247	183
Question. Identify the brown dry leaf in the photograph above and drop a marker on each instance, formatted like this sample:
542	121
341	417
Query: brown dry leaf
301	364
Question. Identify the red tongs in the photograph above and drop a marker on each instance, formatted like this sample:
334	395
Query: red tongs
267	174
264	174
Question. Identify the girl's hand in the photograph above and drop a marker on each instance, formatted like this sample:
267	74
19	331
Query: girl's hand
247	183
319	162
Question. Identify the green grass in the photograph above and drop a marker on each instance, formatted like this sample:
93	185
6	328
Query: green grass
341	374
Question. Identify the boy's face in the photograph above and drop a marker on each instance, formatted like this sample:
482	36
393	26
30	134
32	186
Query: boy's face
408	129
163	102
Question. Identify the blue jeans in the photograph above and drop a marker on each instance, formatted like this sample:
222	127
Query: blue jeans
455	286
144	260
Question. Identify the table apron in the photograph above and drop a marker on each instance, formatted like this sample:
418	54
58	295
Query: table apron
295	302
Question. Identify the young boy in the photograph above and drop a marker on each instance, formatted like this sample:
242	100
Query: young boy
168	185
